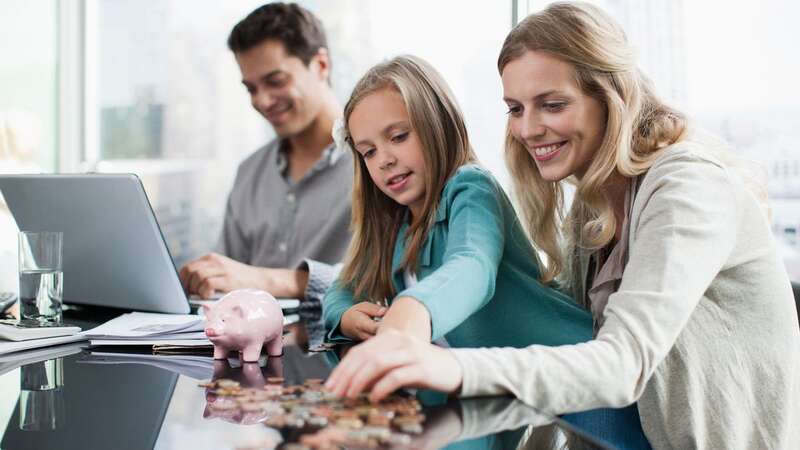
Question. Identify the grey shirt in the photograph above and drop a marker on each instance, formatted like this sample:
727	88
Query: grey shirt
271	221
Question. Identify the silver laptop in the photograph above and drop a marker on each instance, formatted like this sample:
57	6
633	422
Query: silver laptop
114	253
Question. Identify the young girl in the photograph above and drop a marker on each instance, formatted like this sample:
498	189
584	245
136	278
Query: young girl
432	232
670	249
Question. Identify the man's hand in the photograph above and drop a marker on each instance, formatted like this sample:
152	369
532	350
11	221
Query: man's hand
357	322
215	272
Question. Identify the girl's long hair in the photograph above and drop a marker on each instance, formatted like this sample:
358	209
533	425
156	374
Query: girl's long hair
638	126
376	219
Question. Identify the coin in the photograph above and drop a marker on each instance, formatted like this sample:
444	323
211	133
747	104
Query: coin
227	384
321	419
349	422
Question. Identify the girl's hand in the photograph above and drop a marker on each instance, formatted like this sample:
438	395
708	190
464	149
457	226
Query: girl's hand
357	322
392	360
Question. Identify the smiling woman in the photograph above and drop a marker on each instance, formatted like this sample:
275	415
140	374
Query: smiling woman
668	247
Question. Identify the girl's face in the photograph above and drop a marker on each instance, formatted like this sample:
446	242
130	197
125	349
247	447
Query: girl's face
559	125
382	134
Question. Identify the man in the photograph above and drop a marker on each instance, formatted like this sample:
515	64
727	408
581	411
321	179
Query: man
288	213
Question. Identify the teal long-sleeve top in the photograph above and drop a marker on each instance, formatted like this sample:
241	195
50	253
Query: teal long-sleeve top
477	276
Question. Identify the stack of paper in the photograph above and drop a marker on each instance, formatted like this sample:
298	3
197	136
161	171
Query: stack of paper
138	328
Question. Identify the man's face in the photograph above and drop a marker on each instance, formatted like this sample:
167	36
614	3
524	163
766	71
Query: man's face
283	89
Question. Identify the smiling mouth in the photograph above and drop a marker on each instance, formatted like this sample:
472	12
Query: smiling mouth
397	180
545	152
274	113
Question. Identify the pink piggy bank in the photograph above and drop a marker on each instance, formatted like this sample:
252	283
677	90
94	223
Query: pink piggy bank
245	320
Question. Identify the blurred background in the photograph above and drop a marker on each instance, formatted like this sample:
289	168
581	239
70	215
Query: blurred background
149	87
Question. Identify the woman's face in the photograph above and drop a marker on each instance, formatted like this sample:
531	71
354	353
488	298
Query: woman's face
559	125
381	132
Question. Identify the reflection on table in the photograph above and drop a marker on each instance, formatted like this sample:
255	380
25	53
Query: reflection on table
74	398
41	396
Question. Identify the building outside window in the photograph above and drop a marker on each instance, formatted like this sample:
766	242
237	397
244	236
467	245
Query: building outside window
159	94
732	67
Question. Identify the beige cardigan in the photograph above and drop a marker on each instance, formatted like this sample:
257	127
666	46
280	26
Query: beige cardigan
702	332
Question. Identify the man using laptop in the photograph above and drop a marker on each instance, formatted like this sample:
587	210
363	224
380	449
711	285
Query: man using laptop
287	216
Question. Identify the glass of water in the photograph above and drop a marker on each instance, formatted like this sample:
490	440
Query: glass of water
40	276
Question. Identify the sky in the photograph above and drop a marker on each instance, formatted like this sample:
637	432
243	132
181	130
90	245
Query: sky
742	55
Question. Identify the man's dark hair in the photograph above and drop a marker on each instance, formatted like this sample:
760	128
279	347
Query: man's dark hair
300	31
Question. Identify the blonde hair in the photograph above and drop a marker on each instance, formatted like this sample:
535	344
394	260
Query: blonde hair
638	125
376	219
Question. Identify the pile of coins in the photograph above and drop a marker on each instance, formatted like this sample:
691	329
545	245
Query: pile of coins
323	420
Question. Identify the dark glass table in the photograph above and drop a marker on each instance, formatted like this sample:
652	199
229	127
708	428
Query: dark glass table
71	397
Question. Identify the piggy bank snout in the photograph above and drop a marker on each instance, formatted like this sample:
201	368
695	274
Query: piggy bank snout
211	332
215	328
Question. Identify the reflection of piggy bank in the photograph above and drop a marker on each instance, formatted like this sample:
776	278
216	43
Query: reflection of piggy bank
245	320
248	375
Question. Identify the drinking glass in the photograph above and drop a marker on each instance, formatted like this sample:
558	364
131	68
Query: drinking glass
40	277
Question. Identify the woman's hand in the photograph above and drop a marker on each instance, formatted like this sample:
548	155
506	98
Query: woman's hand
392	360
358	321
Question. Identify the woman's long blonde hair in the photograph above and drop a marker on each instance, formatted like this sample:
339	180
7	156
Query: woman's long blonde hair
638	126
376	219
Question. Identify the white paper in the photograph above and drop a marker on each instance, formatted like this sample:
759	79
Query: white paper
289	319
140	325
155	339
152	342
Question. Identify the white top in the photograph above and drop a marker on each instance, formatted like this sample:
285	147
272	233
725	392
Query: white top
702	331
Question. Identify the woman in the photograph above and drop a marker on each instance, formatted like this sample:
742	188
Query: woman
666	245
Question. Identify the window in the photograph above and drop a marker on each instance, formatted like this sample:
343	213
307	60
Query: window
28	106
741	76
165	99
164	102
461	39
29	76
